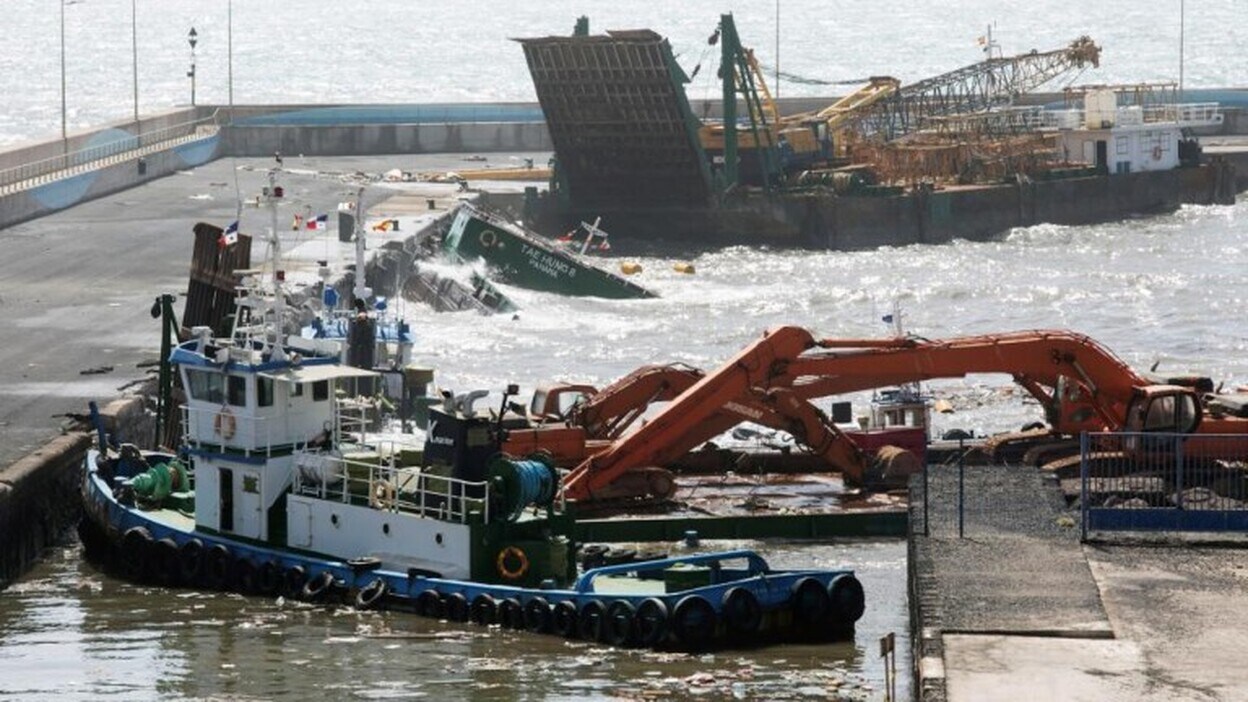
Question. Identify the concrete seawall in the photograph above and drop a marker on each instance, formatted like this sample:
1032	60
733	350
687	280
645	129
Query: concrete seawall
336	130
39	499
39	494
124	175
381	139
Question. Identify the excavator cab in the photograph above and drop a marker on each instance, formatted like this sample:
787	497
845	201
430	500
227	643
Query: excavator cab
554	403
1073	409
1159	409
1163	408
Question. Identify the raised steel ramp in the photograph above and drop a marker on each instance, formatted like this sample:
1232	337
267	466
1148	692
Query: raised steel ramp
622	129
211	292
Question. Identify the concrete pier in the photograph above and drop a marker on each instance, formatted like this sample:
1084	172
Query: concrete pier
38	501
1017	608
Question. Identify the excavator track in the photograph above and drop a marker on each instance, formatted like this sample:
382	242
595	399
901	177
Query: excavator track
1012	447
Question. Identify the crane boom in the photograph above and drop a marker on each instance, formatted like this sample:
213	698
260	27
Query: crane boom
991	83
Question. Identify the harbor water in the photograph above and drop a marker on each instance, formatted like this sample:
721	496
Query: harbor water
388	51
1170	289
68	632
1167	289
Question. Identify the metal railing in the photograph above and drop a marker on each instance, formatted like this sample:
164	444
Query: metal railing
227	426
1193	114
34	173
1196	114
385	486
1163	482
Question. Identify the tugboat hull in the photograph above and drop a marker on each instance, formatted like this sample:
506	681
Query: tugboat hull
693	602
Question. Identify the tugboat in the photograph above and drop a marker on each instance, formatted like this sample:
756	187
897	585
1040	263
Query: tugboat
282	486
521	257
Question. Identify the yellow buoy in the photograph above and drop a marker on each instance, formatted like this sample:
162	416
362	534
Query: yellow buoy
630	267
683	267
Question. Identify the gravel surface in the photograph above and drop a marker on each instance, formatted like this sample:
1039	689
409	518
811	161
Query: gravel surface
1017	568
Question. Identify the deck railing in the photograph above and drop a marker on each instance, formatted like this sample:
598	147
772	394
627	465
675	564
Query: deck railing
1164	482
229	428
386	486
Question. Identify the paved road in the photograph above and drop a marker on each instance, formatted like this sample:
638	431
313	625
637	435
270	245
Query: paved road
1019	609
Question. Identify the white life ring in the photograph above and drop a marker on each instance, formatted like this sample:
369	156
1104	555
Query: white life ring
381	494
224	424
488	238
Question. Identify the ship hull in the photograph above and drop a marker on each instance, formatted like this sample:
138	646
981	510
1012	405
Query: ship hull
704	607
526	260
818	218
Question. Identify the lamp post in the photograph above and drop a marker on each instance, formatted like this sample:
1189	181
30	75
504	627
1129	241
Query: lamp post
134	44
64	127
192	38
229	50
1182	14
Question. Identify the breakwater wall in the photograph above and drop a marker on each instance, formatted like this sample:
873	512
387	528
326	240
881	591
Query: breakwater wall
363	130
39	494
39	499
47	176
54	174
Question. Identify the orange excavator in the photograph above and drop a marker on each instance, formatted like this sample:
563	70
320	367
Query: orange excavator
574	421
1081	385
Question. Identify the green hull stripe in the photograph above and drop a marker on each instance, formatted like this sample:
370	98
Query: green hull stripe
792	526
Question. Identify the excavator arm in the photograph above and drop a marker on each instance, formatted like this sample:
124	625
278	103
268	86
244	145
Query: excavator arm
754	366
1083	385
608	413
599	416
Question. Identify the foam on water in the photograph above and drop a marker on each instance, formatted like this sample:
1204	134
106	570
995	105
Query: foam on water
1167	288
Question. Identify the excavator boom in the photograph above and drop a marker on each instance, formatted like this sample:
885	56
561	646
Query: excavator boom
1082	385
645	446
1094	380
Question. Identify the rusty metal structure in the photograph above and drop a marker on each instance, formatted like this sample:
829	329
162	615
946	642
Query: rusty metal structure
619	120
989	84
964	148
626	139
210	294
960	160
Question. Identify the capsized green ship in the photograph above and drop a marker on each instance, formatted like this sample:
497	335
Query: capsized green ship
520	257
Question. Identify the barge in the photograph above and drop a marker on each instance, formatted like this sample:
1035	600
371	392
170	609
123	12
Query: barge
949	157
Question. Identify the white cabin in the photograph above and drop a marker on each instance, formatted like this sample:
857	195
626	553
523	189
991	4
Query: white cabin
1130	138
